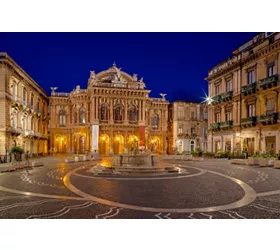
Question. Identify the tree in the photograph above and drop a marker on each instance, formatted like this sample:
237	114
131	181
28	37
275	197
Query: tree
17	151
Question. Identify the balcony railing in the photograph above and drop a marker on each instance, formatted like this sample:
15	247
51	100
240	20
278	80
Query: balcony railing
269	82
215	126
249	89
227	96
268	118
249	121
62	125
226	125
216	99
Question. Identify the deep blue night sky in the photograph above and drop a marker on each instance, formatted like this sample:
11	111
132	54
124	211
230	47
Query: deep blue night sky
172	63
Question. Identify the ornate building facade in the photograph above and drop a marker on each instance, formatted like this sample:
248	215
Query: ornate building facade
23	110
113	115
189	126
244	98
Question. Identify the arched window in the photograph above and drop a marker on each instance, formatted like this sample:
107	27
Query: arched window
75	117
82	115
132	113
118	114
13	120
62	118
155	121
32	124
24	94
104	112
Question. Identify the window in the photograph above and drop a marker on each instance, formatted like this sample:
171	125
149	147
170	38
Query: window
38	126
38	105
14	89
251	77
251	110
205	115
75	117
118	114
217	117
104	112
228	86
228	116
32	99
251	52
192	114
23	123
132	113
270	106
155	121
192	130
24	94
180	113
217	89
180	131
32	124
192	146
62	118
271	69
271	40
13	120
82	115
205	132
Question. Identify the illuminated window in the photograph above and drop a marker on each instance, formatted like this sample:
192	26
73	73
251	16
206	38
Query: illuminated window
118	114
82	115
104	113
155	121
132	113
62	118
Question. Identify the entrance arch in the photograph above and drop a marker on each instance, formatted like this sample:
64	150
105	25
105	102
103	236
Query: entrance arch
154	145
61	142
118	144
104	145
82	144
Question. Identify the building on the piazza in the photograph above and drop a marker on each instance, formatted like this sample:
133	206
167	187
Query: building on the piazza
244	98
189	126
113	115
23	110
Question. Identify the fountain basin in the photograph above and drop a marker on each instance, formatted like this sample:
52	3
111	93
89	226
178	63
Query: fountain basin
127	160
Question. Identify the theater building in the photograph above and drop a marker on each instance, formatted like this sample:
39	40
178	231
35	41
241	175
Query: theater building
113	115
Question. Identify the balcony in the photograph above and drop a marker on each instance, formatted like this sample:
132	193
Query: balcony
216	99
62	125
215	126
226	96
249	122
268	118
226	125
249	89
269	82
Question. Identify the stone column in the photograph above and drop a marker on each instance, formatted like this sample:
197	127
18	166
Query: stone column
125	112
92	115
111	111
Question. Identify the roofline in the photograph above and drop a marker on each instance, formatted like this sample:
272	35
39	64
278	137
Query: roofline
6	56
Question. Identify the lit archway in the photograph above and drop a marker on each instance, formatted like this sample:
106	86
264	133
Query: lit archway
118	144
61	143
104	145
154	144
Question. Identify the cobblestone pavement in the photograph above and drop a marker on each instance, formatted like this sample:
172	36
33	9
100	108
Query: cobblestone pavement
213	189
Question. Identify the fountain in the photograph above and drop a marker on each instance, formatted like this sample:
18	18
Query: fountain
135	163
